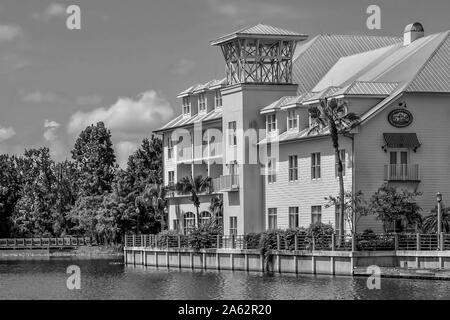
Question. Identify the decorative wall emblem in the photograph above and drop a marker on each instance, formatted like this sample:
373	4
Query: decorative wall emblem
400	118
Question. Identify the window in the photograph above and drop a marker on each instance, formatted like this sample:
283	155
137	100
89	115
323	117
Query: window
171	179
342	156
233	226
186	105
189	222
271	122
218	99
292	120
315	166
272	217
316	214
169	148
176	225
271	171
201	102
293	168
232	138
205	216
293	217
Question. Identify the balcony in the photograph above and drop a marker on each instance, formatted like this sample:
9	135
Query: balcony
184	154
226	183
402	172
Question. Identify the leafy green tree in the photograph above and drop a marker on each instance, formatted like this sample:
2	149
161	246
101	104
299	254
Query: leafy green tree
66	196
145	165
195	187
153	203
95	160
10	186
332	115
32	214
356	207
396	207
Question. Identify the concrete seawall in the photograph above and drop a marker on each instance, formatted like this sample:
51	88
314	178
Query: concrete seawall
300	262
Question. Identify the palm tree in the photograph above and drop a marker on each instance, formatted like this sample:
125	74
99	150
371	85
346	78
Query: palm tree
332	115
216	207
430	223
195	186
154	197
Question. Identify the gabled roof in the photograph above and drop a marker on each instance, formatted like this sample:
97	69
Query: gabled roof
260	31
274	106
364	88
182	120
325	93
314	58
211	85
435	74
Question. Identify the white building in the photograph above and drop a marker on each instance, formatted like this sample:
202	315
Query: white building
399	87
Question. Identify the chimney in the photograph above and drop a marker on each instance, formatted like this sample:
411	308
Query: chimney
413	32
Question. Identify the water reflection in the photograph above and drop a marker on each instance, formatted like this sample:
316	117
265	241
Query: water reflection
110	279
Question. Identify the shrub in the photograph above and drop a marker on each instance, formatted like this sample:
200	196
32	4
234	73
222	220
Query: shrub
168	236
289	238
322	234
252	240
204	236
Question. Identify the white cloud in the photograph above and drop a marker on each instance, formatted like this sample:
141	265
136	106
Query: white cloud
89	101
126	116
6	133
262	9
9	32
123	150
53	10
50	132
183	67
40	97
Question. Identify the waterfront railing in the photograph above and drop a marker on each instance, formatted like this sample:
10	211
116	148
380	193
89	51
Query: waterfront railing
17	243
297	242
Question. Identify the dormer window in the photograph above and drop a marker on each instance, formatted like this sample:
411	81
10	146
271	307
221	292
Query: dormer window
218	99
292	120
271	122
186	105
201	102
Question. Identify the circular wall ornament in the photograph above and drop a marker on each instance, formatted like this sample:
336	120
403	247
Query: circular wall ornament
400	118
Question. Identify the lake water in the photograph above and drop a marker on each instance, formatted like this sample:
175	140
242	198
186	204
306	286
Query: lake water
45	278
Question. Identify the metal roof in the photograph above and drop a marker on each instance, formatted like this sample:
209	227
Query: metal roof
260	31
313	59
211	85
182	120
435	75
276	105
362	88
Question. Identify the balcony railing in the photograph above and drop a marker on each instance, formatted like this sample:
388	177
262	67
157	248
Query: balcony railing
401	172
214	150
184	154
226	183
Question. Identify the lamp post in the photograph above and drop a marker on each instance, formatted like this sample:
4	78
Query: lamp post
439	218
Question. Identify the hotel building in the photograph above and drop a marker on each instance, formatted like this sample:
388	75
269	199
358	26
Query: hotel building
399	86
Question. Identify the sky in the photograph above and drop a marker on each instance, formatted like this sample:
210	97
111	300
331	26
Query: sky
130	59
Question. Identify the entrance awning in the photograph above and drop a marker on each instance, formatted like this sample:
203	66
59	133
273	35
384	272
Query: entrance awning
401	140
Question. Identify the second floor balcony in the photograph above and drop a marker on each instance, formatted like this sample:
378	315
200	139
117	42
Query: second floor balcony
227	183
402	172
210	151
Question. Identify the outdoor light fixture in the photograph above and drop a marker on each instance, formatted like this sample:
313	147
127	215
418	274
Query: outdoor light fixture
439	197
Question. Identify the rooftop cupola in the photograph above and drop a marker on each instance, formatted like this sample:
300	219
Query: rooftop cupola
413	32
259	54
